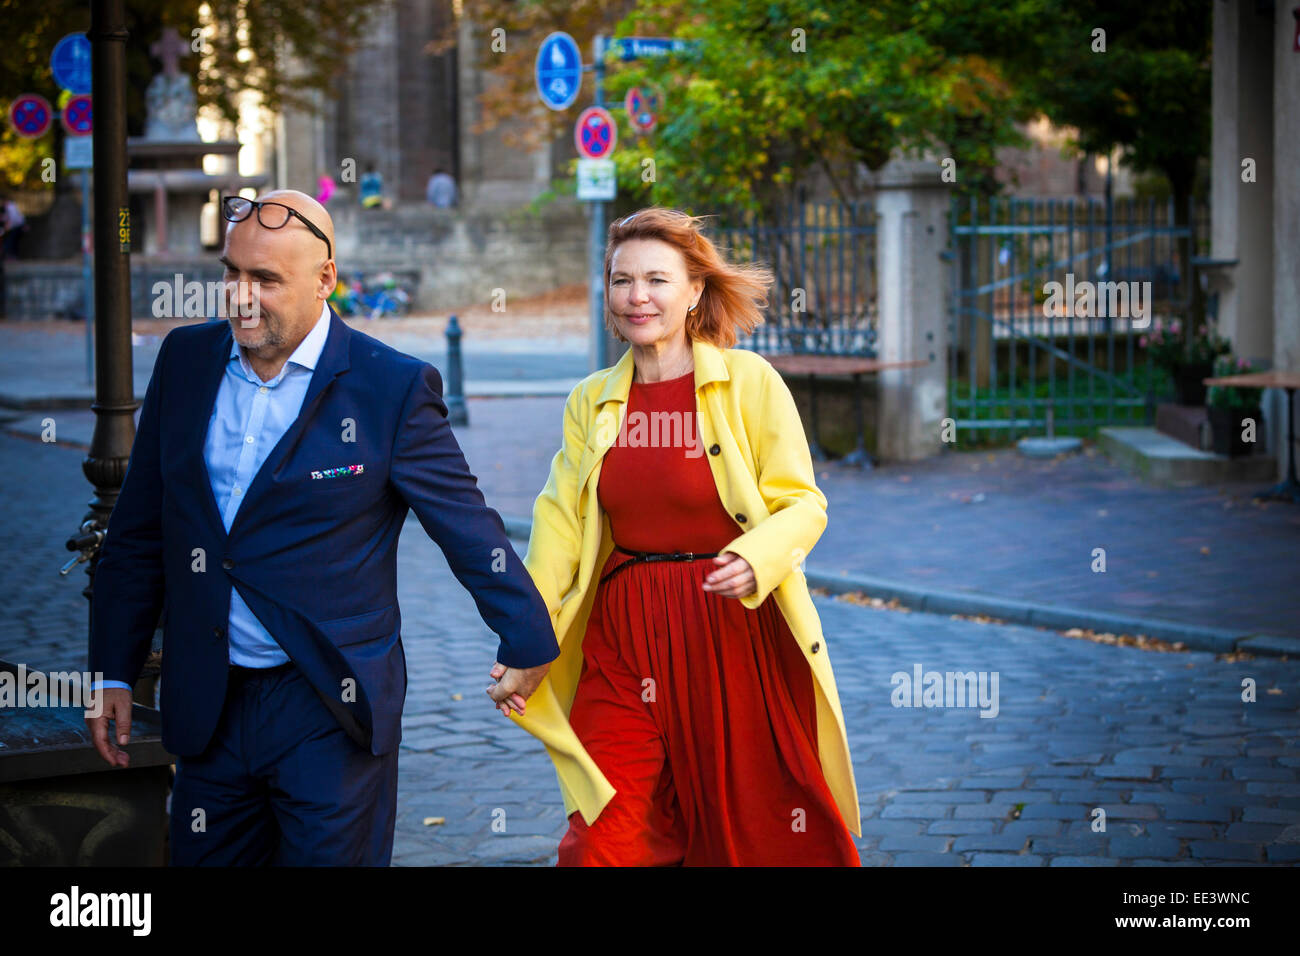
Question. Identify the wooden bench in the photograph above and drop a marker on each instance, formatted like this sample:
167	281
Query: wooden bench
855	366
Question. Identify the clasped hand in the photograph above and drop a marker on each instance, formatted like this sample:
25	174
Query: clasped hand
514	685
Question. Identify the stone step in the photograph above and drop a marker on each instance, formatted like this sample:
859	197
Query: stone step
1189	424
1158	458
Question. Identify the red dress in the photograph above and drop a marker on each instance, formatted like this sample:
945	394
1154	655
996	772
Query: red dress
698	710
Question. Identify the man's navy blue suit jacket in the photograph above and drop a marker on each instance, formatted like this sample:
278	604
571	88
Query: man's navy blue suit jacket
314	558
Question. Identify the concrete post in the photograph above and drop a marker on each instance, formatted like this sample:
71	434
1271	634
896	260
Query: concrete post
1241	213
1286	213
912	297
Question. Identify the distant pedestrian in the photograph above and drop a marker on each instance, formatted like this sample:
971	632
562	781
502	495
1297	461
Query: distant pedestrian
441	190
13	226
371	188
324	188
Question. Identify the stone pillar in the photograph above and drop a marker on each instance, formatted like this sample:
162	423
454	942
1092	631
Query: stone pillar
1286	213
301	156
1242	212
497	169
426	105
912	295
369	128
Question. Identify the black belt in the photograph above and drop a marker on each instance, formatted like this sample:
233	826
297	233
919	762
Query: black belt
645	557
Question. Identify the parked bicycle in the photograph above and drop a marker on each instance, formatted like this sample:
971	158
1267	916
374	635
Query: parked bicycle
381	296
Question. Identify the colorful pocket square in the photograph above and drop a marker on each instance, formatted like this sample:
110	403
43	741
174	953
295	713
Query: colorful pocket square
339	472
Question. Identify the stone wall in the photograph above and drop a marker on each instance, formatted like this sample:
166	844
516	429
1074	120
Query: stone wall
43	290
461	256
447	257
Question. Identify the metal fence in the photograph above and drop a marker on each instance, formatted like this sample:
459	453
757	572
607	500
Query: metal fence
823	256
1050	301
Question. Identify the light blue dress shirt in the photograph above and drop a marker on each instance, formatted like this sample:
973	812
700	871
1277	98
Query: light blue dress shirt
248	419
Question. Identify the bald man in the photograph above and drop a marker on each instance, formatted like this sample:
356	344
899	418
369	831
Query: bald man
277	456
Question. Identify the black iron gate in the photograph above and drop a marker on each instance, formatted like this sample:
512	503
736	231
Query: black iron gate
1051	301
824	257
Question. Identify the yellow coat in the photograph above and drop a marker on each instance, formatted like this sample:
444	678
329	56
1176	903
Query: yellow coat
763	472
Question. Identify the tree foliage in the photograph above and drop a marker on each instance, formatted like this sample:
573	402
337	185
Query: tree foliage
282	50
779	87
1147	92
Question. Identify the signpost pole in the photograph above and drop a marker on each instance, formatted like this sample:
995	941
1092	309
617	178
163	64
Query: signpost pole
598	352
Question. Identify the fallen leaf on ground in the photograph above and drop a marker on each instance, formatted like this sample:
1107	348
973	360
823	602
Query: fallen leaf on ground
866	600
1141	641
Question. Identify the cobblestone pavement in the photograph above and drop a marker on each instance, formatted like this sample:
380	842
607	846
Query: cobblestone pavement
1184	770
999	524
1161	742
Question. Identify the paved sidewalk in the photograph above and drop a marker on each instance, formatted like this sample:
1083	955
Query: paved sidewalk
43	364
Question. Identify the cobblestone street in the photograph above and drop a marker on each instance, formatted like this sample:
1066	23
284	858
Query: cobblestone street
1185	771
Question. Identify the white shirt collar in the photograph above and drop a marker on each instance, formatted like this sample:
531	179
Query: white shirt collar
307	354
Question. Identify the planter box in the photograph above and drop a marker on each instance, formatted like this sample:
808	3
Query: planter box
1226	427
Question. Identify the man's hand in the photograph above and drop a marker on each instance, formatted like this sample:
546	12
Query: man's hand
117	708
735	578
514	685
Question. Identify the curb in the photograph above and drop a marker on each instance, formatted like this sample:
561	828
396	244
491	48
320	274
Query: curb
1013	611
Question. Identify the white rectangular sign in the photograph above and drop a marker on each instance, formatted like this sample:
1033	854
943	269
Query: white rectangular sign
78	152
597	179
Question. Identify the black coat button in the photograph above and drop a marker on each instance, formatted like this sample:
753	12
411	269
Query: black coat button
218	632
227	563
817	646
715	450
741	518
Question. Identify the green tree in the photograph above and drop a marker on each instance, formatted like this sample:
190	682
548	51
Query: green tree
774	89
1141	84
1136	77
778	88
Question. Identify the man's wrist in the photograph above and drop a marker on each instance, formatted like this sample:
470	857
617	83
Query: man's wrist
104	684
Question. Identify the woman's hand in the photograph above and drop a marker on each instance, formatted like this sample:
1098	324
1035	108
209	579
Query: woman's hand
735	578
514	686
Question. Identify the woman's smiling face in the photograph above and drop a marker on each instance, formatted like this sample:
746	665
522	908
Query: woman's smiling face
650	291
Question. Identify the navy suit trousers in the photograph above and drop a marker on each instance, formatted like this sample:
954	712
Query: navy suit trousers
282	784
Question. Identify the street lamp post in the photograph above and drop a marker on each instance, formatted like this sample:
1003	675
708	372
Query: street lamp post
114	405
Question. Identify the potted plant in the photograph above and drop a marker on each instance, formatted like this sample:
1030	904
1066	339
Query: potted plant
1165	345
1229	408
1202	350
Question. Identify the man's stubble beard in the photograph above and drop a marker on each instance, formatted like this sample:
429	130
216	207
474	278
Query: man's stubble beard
271	334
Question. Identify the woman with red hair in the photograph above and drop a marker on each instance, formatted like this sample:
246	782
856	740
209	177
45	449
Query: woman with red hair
692	714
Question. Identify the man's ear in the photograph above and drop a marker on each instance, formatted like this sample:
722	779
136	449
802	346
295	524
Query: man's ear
328	278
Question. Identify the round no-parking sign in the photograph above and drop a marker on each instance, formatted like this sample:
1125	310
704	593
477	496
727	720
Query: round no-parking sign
595	134
78	116
30	115
642	105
